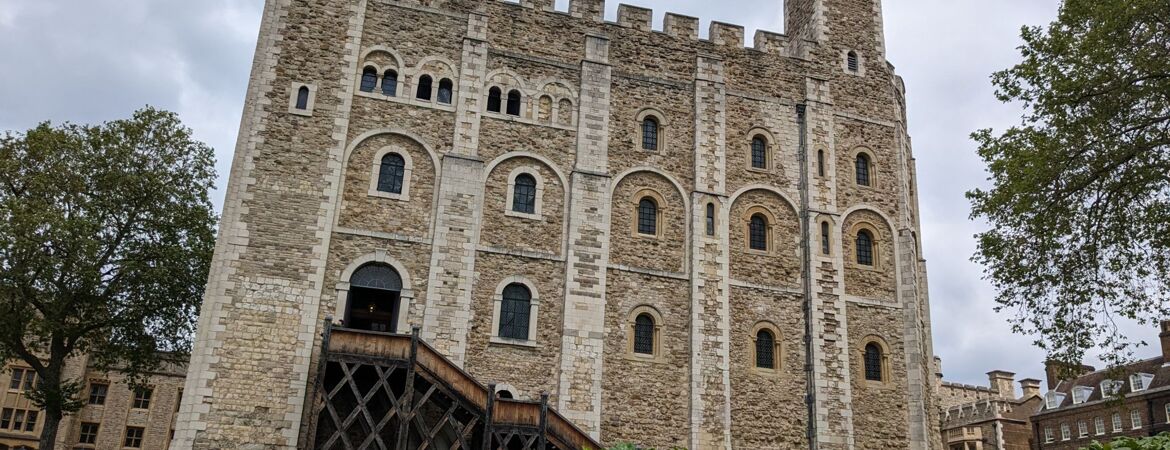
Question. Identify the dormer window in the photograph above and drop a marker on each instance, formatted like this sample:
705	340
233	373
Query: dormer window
1110	388
1140	381
1081	394
1053	399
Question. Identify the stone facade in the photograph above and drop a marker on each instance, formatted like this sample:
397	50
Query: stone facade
470	95
112	416
989	417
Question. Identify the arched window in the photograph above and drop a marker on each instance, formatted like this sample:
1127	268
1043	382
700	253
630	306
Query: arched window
514	312
524	194
390	83
820	163
445	88
648	217
504	393
374	294
513	103
864	248
759	153
303	98
644	335
873	362
863	167
710	219
392	173
825	248
494	99
765	350
851	61
758	233
650	134
424	88
369	79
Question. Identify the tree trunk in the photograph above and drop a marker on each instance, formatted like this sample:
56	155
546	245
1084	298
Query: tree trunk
49	432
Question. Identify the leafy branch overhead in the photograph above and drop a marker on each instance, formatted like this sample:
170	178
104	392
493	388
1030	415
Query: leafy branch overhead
106	235
1079	205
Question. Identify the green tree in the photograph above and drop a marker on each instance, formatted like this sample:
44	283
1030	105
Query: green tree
106	234
1079	207
1161	442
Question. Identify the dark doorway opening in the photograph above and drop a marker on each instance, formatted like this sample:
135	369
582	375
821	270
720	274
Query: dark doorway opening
375	299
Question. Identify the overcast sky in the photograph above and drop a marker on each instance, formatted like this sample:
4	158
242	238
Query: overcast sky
97	60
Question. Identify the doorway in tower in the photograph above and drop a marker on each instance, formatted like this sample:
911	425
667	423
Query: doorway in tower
375	298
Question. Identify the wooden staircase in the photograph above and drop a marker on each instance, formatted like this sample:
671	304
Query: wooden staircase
384	391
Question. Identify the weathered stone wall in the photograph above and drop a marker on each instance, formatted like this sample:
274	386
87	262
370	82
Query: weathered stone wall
879	408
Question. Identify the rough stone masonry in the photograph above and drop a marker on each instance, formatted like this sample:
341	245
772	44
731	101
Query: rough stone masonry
781	177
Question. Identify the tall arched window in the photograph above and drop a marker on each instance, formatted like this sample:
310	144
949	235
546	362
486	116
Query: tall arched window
851	61
710	219
494	99
820	163
825	247
650	134
759	153
648	217
303	98
391	173
864	248
373	299
390	83
524	194
445	89
765	350
423	92
369	79
873	362
514	311
513	103
644	335
863	168
758	232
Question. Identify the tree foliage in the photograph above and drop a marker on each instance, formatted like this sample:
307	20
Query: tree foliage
106	235
1161	442
1079	206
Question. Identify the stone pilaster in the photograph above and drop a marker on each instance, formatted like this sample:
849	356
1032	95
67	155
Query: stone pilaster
588	247
710	311
472	71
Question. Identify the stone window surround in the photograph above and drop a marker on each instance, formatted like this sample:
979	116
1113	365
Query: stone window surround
851	260
663	126
294	91
660	204
777	349
406	91
873	175
407	172
525	108
845	62
713	237
821	221
770	218
657	356
534	172
507	387
533	312
770	165
405	296
886	382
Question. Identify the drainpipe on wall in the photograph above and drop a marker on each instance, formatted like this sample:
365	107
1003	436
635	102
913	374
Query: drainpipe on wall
806	273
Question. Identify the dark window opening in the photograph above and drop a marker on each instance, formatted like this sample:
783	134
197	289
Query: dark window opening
369	79
864	248
374	298
648	217
758	233
710	219
494	98
650	134
424	88
391	173
759	153
514	103
524	194
445	90
825	248
852	62
863	170
142	398
134	437
765	350
820	163
873	362
89	432
303	98
97	393
504	393
514	311
390	83
644	335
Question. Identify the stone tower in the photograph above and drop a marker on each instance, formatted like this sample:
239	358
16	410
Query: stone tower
714	246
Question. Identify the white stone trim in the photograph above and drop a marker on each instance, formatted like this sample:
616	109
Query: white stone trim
294	92
533	311
407	172
770	150
656	355
860	62
405	296
535	173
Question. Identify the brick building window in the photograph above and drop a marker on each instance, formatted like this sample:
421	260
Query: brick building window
1116	422
495	100
142	397
758	232
759	153
644	334
1099	425
423	92
1065	432
97	393
524	194
710	219
1048	435
1168	413
89	432
303	98
1082	429
862	166
446	89
765	350
513	103
650	133
134	437
514	312
873	362
391	173
369	79
648	216
864	248
1135	417
390	83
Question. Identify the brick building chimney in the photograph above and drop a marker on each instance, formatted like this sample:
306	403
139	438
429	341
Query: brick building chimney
1031	387
1165	335
1003	383
1057	371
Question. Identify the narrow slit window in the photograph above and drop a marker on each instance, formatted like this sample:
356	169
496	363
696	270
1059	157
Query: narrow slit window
390	83
765	350
820	163
759	153
825	244
863	168
514	103
369	79
423	92
514	311
494	99
644	335
873	362
648	217
303	98
524	194
710	219
864	248
650	134
852	62
392	173
758	233
445	91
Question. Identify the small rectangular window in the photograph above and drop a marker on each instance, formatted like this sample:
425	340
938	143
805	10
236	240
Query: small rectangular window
142	398
30	379
89	432
179	400
17	377
1136	418
30	423
6	419
1048	435
1116	422
1168	413
18	420
1082	429
1099	424
133	437
1065	432
97	393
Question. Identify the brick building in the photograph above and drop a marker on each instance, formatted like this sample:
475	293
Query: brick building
1132	400
989	417
114	415
684	241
